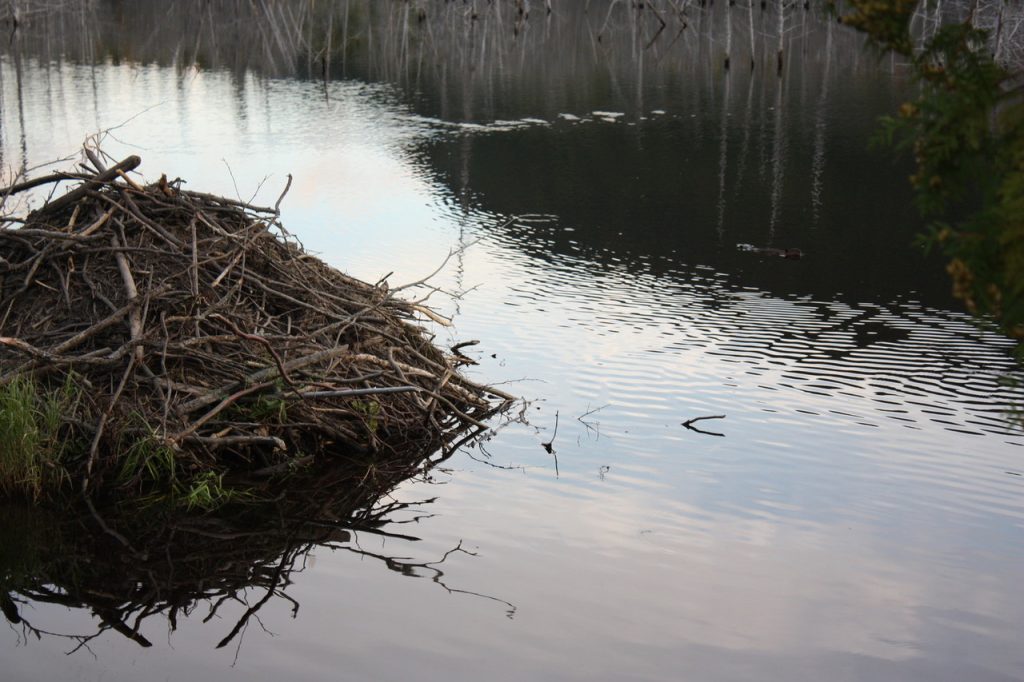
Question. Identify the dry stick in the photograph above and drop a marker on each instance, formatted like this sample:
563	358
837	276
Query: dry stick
261	375
361	391
291	299
163	372
133	208
459	413
225	201
382	362
195	259
689	424
216	229
94	448
230	266
221	406
76	194
64	279
26	232
51	357
134	317
42	180
137	216
277	206
131	183
185	344
95	159
549	446
443	321
108	321
74	218
25	347
401	375
36	262
459	378
437	389
225	441
100	222
266	344
451	253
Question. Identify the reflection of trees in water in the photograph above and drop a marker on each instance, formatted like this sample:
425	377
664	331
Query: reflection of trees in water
19	79
555	62
461	61
820	130
225	566
601	55
779	145
723	141
497	45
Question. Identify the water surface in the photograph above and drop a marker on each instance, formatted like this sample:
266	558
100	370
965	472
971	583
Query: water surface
859	514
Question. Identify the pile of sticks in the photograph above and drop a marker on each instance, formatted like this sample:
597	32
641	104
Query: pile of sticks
194	323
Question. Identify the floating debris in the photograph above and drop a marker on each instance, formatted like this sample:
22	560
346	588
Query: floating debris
689	423
790	254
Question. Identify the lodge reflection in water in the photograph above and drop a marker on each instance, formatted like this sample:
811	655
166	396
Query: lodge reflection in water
161	565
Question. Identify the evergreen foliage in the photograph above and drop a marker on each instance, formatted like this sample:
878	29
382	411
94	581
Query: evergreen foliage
966	131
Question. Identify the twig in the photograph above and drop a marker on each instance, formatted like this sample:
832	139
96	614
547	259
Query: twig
94	448
42	180
689	424
277	205
134	318
439	268
351	393
74	195
549	446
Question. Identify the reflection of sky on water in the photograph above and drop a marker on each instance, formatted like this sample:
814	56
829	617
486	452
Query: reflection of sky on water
841	526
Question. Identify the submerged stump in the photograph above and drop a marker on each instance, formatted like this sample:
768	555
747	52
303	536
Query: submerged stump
160	343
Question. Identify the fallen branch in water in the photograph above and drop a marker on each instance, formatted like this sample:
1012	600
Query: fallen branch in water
549	446
689	423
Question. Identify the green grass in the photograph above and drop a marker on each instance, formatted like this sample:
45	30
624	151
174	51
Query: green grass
271	407
149	466
148	463
207	492
36	451
370	409
32	451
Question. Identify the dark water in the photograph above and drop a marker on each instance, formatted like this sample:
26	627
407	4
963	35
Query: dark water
860	517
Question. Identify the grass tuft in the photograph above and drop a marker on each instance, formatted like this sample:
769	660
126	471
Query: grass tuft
32	450
207	492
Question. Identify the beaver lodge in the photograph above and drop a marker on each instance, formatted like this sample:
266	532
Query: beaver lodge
162	344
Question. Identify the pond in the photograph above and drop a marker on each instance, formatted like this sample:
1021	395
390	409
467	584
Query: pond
601	192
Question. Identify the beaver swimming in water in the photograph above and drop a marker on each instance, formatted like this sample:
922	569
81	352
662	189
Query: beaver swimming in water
791	254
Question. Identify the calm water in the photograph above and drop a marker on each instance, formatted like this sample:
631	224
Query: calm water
859	514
